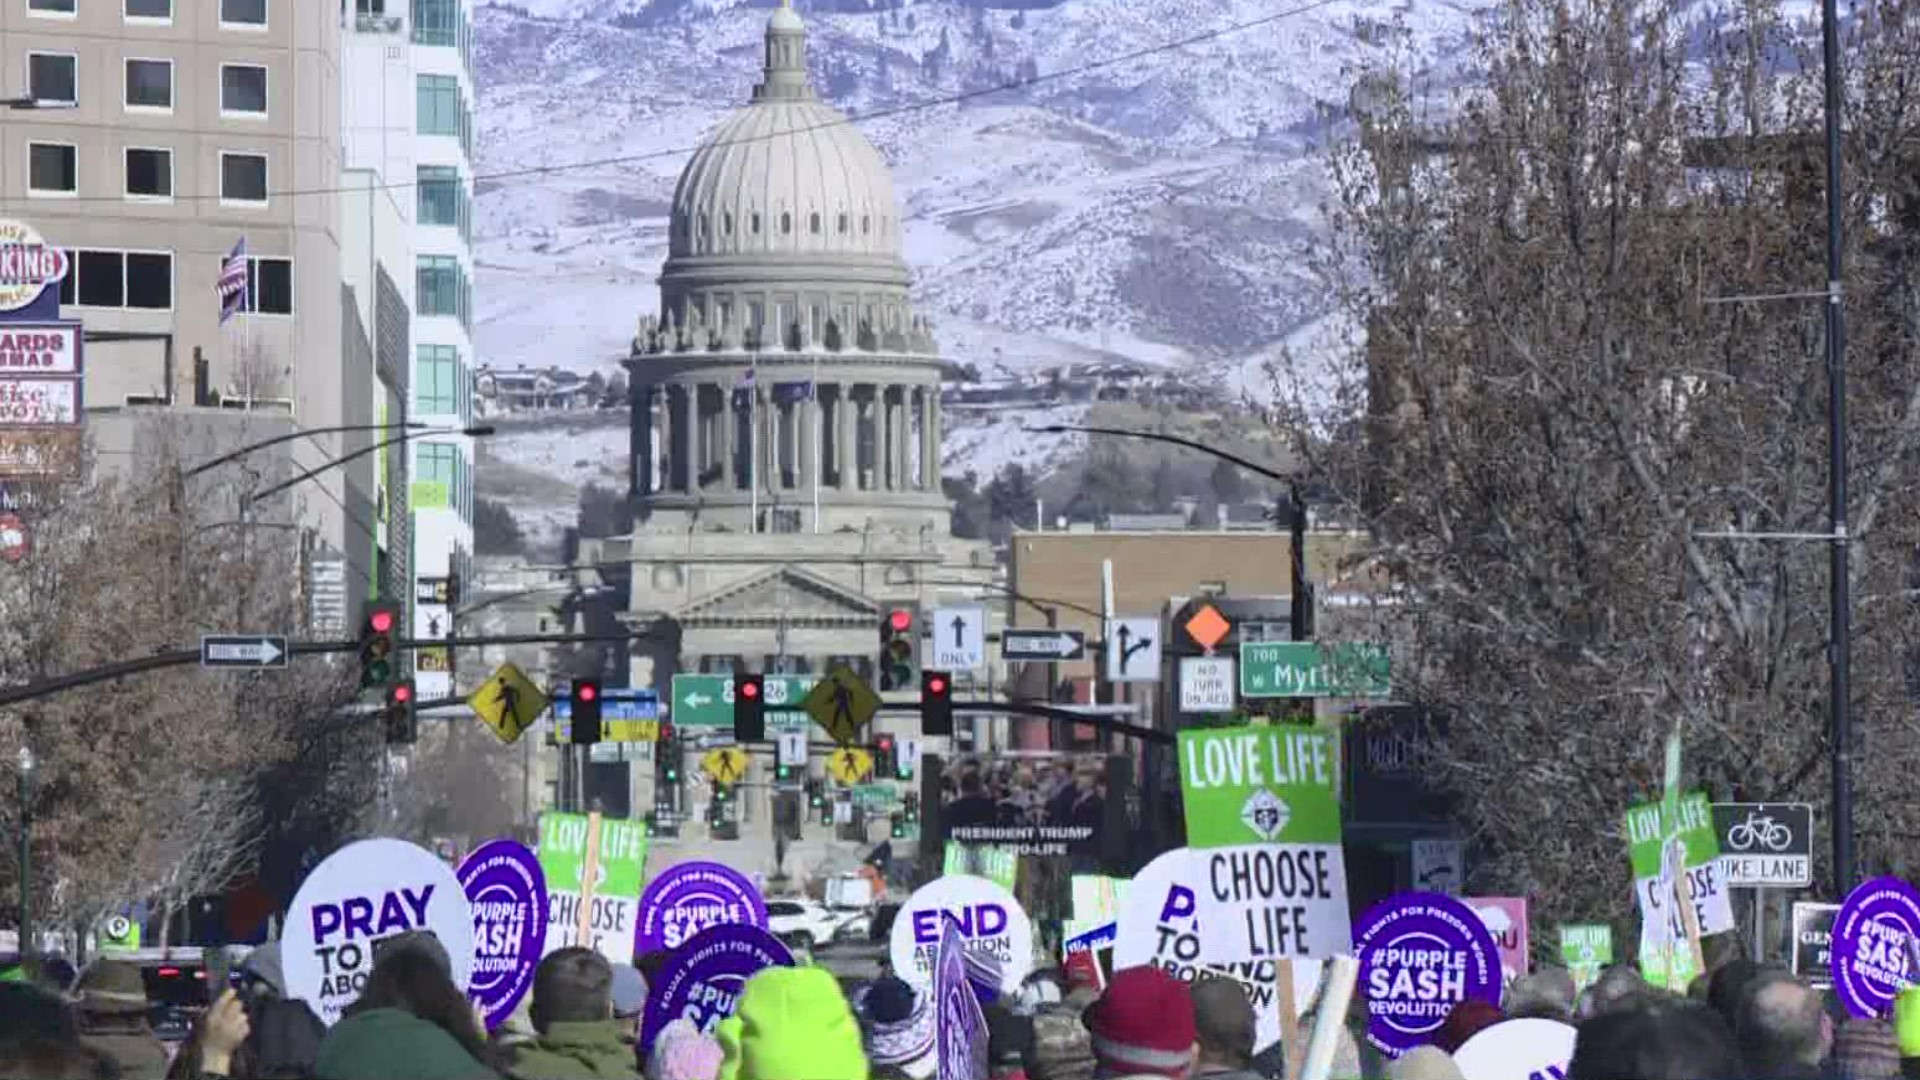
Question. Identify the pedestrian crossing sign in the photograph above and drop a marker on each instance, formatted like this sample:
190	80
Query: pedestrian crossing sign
508	702
843	704
849	765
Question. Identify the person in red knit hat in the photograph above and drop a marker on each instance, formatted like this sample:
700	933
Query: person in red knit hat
1142	1026
1467	1019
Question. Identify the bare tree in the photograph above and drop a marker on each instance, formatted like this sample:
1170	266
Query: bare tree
1547	404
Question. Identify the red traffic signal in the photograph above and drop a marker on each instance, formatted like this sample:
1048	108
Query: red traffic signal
901	621
936	703
749	688
380	621
936	683
749	708
588	692
402	693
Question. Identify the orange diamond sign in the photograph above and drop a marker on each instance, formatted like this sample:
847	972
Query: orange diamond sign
1208	627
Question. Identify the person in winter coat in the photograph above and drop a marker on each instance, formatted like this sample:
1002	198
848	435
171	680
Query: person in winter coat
408	987
1142	1026
899	1031
791	1024
1225	1031
111	1010
578	1035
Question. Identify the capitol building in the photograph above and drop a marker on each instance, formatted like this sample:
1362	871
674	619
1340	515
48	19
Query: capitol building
786	434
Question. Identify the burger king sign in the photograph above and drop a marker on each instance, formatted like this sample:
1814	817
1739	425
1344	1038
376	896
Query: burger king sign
28	265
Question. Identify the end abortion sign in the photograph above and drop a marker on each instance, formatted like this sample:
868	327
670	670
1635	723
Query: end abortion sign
508	896
691	897
1421	954
702	981
989	919
1873	945
359	896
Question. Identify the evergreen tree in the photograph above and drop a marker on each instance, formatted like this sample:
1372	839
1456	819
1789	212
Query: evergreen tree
1228	486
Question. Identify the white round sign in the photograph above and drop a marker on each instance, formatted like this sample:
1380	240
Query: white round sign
359	896
1158	926
991	921
1517	1050
28	265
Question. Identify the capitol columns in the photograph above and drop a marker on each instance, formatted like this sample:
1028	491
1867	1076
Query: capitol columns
845	422
930	438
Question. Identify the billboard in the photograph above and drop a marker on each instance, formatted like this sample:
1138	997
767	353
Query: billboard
1030	821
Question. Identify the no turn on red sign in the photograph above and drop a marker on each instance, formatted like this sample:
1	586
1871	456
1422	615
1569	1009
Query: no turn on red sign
1206	684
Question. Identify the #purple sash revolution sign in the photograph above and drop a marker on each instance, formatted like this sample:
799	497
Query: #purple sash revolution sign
508	895
1421	954
702	981
960	1028
1873	953
690	898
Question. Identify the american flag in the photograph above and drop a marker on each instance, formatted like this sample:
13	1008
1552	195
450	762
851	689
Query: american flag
232	285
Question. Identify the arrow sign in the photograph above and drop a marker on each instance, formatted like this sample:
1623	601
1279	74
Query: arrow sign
243	651
959	638
1042	645
1133	649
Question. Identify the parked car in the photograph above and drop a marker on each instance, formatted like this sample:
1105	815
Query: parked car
803	921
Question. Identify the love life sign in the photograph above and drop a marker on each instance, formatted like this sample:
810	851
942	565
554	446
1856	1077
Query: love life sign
357	898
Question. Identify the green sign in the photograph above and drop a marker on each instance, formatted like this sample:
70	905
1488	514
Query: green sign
1305	669
1260	785
1646	833
1000	865
873	795
563	850
707	700
1585	949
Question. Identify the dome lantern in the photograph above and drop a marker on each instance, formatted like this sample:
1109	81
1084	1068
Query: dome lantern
785	75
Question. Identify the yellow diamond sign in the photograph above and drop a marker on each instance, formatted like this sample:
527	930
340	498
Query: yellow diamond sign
726	765
849	765
842	703
508	702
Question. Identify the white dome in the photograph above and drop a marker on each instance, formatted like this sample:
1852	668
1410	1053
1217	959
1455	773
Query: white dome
786	175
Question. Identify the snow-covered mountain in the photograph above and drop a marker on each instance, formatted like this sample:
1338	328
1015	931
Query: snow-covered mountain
1128	200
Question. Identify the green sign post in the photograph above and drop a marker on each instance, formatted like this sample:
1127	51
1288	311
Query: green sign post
1312	669
706	701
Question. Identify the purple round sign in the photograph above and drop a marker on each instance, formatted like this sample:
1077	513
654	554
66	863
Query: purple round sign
702	981
508	897
1421	954
690	898
1873	955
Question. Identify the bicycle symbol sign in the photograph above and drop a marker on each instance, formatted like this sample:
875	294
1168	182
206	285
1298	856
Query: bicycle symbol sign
1765	845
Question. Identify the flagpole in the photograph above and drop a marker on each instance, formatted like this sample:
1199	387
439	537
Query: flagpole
813	393
753	441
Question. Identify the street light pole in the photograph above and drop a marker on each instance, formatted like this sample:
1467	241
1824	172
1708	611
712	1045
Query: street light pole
26	851
1840	631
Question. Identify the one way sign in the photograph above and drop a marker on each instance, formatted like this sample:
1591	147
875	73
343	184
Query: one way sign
1133	649
243	651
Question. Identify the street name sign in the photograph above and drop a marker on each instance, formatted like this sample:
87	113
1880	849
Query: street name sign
706	701
1312	669
1765	845
243	651
1047	645
959	638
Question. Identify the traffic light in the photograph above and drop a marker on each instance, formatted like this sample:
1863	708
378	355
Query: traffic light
899	827
899	650
586	712
883	756
376	644
912	802
749	709
816	794
936	703
670	762
903	759
401	723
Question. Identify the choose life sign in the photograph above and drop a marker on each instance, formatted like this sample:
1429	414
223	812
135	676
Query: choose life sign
616	894
1262	804
1422	954
1661	921
355	900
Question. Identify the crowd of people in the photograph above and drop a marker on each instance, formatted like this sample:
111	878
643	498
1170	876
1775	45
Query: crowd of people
582	1020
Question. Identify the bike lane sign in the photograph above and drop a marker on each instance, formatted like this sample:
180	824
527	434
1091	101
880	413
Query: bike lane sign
1765	845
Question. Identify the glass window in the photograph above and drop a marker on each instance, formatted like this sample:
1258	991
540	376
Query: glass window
149	84
102	278
243	178
270	286
149	280
243	12
436	22
150	173
436	464
436	380
53	77
53	168
243	89
440	195
439	104
437	285
149	9
52	7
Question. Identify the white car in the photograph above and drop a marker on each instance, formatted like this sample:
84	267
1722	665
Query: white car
803	921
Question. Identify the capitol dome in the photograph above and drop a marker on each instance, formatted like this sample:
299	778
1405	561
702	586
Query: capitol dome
786	176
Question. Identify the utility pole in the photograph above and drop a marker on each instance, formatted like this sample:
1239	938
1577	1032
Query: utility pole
1839	642
26	851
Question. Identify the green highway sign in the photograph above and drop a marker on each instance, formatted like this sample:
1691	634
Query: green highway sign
707	700
874	796
1306	669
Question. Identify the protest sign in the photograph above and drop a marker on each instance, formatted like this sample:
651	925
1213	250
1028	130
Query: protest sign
1100	937
989	920
356	898
1586	949
1873	945
621	853
692	897
1262	802
1662	923
1506	919
1421	954
701	981
1530	1049
1813	942
507	894
1159	925
960	1028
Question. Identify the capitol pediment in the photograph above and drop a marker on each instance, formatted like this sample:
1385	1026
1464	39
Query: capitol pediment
776	594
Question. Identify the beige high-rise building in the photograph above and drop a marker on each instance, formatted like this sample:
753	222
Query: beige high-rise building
148	138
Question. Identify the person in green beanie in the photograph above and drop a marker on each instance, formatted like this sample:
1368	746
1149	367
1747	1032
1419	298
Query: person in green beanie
792	1024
